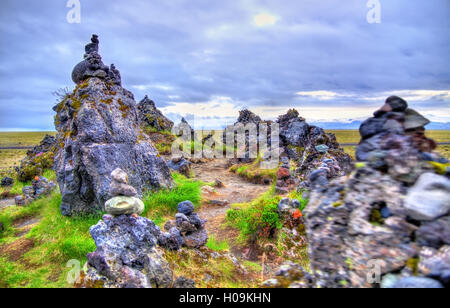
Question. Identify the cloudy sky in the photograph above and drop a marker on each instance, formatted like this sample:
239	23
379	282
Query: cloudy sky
213	58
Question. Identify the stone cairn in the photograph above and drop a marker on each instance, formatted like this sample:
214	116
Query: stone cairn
152	117
38	159
40	187
391	213
187	230
127	255
98	131
124	201
314	150
285	181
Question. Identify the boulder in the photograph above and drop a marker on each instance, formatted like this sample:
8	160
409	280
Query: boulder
184	283
429	198
99	131
7	181
417	283
435	233
171	240
414	120
435	264
126	255
186	208
181	166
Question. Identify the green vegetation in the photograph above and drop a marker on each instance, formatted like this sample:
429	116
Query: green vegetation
352	136
253	173
22	139
211	271
256	219
10	159
39	258
16	189
216	245
36	165
165	202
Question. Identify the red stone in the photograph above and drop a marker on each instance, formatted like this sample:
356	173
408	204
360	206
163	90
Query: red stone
283	173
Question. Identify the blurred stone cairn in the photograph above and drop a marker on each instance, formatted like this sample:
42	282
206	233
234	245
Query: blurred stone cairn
99	130
387	224
40	187
316	153
127	255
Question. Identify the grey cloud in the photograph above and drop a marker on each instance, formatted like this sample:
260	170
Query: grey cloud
205	49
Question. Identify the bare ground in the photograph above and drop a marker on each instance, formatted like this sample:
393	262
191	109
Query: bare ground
235	190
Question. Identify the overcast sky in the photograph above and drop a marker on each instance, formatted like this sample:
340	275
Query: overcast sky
213	58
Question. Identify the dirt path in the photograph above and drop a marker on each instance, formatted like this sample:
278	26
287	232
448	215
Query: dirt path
4	203
235	190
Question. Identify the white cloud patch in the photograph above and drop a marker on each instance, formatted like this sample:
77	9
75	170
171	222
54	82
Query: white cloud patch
265	19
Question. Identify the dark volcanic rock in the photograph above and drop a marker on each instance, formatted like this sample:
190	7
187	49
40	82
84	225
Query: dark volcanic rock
180	165
98	131
246	116
184	283
152	117
126	255
92	66
7	181
188	229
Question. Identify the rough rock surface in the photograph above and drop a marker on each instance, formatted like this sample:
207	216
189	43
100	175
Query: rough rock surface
180	165
311	148
390	214
126	255
188	229
152	116
98	131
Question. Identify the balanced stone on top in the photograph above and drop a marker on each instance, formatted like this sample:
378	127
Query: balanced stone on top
124	201
119	184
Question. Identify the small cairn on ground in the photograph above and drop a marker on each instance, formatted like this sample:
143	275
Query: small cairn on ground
40	187
187	230
391	213
285	181
127	255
